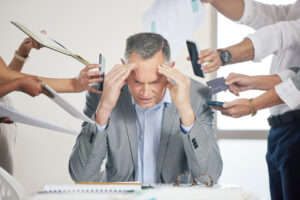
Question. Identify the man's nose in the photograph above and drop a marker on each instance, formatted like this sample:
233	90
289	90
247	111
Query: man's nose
146	90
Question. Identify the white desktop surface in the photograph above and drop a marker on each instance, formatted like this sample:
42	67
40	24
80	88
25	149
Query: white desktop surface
225	192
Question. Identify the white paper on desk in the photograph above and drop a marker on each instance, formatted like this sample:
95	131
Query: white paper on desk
176	20
20	117
66	106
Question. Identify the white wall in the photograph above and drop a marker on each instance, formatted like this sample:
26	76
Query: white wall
87	28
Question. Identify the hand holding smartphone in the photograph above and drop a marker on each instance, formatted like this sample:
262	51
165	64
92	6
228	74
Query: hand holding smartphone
193	51
215	103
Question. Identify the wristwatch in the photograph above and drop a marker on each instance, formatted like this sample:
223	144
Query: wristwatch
225	56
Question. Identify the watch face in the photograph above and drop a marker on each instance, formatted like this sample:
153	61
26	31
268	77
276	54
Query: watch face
226	56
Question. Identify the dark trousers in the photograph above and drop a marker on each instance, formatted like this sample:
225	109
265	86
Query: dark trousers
283	158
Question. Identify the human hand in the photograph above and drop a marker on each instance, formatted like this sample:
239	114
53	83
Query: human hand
211	58
114	80
5	120
180	93
32	86
239	83
86	77
27	45
237	108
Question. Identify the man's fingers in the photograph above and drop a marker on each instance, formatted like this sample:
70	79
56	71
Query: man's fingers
170	73
121	81
188	58
120	74
114	71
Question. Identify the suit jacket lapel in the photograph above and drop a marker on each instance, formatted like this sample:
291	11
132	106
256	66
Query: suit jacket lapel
167	124
129	116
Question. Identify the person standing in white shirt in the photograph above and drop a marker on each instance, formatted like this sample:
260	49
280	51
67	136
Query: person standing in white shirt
278	33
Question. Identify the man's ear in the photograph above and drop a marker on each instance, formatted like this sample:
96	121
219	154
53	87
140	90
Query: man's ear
123	62
172	64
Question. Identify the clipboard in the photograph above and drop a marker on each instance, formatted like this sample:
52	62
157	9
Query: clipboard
46	41
66	106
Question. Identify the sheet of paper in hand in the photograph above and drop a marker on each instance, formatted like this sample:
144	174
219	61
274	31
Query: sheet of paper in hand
217	85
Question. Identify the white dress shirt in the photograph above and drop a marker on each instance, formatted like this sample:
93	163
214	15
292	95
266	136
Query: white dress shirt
289	89
278	33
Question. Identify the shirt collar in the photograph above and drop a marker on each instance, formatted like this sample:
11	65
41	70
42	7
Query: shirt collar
166	100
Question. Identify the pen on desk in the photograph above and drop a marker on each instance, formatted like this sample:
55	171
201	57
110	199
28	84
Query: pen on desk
102	69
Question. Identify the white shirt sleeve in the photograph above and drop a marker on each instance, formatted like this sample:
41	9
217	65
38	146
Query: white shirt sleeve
289	93
101	128
270	39
258	15
285	74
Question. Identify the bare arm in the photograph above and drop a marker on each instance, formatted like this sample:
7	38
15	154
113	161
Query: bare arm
233	9
241	52
241	107
29	85
267	100
23	51
240	83
77	84
9	87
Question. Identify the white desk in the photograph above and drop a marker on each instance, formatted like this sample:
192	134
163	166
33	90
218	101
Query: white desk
159	193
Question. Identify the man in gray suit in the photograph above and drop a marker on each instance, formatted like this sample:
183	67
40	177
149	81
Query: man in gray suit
152	123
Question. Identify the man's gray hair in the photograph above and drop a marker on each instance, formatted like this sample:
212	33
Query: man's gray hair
146	45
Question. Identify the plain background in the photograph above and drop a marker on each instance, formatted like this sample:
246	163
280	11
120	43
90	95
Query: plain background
88	28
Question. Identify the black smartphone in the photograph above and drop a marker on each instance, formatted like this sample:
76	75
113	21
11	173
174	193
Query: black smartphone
102	69
193	51
215	103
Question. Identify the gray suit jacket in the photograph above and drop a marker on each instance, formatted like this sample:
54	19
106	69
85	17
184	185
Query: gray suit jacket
196	152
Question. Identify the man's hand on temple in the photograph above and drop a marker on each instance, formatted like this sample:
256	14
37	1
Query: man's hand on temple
113	82
180	93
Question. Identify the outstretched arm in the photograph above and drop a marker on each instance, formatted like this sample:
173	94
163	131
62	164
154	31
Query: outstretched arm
28	85
77	84
233	9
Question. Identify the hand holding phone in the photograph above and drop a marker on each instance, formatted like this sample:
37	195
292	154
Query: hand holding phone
193	51
215	103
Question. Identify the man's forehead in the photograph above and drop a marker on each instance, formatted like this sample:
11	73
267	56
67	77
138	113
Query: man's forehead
146	69
146	74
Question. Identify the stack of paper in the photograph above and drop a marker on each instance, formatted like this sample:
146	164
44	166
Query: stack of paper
95	187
